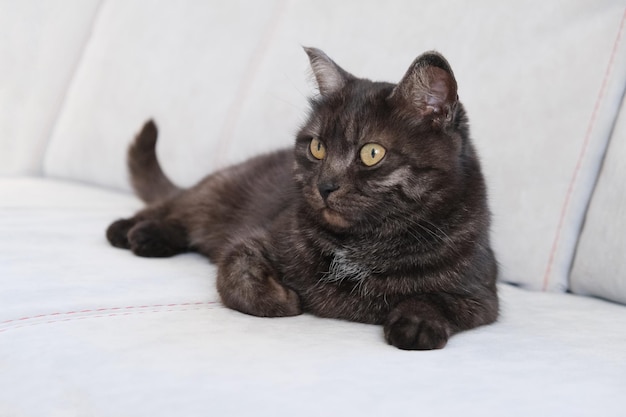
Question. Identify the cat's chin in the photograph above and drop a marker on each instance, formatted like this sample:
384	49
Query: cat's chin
334	219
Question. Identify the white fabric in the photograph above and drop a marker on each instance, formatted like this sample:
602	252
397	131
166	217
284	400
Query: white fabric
542	83
599	268
87	329
180	62
226	80
53	253
40	45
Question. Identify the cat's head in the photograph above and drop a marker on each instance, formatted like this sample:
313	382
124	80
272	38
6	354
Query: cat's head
372	150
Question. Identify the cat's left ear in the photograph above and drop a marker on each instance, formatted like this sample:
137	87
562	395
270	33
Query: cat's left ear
330	77
428	87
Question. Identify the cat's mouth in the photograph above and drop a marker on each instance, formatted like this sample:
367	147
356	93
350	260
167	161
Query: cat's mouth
334	218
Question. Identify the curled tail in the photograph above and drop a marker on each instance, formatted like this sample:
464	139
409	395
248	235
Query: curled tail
147	177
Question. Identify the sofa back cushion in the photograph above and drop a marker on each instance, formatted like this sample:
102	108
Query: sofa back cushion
599	267
186	64
542	84
40	47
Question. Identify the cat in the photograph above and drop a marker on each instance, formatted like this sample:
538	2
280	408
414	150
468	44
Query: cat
378	214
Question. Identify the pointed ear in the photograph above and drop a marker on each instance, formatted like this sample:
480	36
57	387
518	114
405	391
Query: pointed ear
330	77
428	87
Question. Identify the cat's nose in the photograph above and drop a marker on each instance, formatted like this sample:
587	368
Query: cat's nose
326	188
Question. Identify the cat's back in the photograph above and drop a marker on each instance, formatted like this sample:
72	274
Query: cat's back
261	178
236	199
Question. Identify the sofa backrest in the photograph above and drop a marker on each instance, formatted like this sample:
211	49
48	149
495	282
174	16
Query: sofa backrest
542	82
41	43
600	264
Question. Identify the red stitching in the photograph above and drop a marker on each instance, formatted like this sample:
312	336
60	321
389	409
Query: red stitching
583	151
58	317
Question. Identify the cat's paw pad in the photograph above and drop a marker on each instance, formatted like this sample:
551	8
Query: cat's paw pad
117	233
410	332
155	239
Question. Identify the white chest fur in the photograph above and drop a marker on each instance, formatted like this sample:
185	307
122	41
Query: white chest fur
343	267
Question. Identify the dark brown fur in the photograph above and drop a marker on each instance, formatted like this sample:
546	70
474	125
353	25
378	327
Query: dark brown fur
404	243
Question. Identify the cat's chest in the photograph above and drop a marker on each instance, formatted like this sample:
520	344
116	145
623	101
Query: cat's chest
312	266
341	269
345	265
341	287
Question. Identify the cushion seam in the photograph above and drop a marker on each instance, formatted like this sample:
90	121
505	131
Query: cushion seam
93	313
585	146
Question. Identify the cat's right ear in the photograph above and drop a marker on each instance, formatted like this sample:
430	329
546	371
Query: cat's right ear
330	77
428	88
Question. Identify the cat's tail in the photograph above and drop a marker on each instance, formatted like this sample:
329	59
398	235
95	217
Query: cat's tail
147	177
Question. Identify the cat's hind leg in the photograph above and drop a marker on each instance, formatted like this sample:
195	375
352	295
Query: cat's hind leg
149	235
117	233
247	282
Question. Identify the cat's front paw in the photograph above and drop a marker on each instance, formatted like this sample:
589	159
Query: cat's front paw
257	293
247	282
411	332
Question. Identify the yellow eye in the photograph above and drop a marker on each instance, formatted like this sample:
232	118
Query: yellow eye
372	153
318	150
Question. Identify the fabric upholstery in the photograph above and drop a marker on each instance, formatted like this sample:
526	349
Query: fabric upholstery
38	64
89	329
599	267
228	80
180	63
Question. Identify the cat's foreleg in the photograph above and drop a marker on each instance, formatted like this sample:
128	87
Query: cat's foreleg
248	282
427	321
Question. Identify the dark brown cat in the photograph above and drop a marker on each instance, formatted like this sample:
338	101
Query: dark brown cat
379	214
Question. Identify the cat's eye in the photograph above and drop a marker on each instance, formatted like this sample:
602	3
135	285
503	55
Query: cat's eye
318	150
372	153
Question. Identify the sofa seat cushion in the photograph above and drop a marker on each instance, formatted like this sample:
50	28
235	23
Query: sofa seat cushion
54	255
88	329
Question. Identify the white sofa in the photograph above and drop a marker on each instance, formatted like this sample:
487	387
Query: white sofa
90	330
